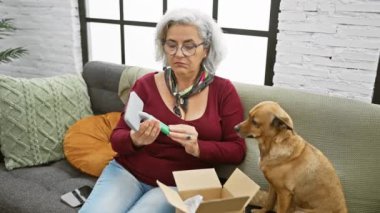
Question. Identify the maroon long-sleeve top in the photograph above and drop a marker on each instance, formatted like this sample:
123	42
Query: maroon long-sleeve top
218	142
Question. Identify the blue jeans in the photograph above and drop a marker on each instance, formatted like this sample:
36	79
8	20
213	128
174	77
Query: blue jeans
118	191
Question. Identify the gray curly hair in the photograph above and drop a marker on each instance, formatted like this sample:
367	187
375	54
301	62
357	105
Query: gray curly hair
208	30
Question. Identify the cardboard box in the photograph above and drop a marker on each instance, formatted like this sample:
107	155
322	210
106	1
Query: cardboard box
232	197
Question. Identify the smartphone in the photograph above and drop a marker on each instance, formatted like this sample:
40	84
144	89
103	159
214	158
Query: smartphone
76	197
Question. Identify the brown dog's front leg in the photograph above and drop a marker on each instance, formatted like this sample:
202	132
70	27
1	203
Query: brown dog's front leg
284	201
269	202
269	205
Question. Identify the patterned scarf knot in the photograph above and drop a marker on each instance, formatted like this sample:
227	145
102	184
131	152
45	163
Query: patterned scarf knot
203	79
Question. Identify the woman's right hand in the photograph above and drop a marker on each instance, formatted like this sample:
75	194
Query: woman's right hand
147	133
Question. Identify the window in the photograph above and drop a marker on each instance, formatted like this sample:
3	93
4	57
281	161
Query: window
122	31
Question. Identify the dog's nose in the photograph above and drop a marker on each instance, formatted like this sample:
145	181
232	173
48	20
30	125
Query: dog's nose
237	128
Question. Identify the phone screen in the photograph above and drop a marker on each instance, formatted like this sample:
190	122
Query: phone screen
76	197
84	191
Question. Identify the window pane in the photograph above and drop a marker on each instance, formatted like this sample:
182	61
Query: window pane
104	42
103	9
246	59
202	5
139	47
252	14
137	10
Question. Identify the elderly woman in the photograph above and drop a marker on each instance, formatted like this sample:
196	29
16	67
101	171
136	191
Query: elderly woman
200	108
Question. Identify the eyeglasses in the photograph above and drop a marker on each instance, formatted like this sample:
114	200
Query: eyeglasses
188	49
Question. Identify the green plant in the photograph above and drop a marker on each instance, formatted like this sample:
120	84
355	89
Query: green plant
6	27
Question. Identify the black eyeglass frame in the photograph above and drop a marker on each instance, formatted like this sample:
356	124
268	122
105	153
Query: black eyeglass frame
177	47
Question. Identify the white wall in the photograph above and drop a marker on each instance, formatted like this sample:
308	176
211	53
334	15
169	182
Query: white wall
329	47
50	30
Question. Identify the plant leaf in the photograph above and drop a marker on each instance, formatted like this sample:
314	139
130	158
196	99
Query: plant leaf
6	25
12	53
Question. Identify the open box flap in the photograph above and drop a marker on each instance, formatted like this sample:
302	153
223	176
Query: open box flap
196	179
239	184
173	197
223	205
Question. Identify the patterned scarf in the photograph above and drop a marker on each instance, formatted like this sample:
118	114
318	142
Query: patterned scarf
203	79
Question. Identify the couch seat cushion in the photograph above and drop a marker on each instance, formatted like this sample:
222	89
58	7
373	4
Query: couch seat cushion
39	188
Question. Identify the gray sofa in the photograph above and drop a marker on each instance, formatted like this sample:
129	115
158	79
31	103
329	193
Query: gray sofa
348	132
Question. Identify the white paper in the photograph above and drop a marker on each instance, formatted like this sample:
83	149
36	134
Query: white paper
193	203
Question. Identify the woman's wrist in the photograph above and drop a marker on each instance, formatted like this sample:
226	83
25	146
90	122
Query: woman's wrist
134	142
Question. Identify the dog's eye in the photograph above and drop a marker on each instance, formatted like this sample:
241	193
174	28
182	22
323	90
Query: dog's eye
254	122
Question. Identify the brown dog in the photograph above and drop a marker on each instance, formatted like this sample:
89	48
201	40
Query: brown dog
301	178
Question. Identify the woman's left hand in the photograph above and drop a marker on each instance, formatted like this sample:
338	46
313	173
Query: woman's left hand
187	136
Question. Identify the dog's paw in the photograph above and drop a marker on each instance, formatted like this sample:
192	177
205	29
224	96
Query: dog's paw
260	198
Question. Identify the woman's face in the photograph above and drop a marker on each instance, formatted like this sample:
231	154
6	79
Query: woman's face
184	50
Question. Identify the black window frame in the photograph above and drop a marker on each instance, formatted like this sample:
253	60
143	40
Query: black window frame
271	34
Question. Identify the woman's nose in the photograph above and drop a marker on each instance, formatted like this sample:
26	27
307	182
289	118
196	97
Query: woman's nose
179	52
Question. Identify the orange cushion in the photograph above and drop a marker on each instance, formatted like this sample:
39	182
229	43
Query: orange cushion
87	143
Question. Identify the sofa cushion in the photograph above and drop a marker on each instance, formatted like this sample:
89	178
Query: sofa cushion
39	188
102	79
128	77
35	114
87	143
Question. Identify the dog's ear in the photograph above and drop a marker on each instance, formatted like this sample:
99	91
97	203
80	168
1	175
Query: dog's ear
282	123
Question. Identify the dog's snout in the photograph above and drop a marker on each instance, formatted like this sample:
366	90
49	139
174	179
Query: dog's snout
237	128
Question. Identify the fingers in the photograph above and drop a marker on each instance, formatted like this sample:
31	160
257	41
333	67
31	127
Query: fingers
183	133
189	142
147	133
149	128
182	128
181	137
187	136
